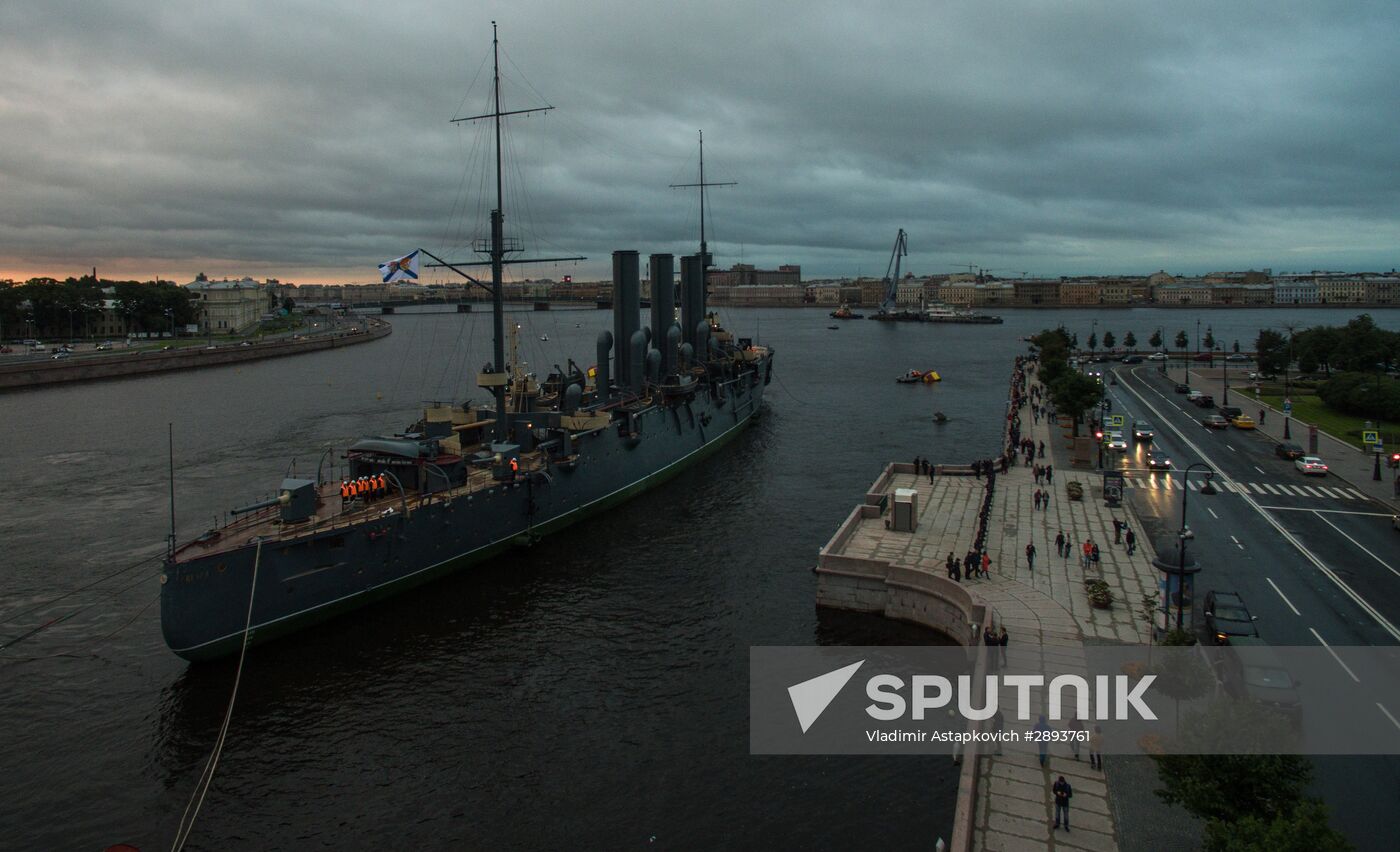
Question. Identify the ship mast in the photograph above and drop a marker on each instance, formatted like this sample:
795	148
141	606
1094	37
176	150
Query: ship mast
704	247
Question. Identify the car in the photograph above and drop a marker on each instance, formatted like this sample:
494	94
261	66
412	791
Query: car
1227	617
246	343
1311	465
1238	356
1287	450
58	356
1205	400
1182	387
1255	673
1115	441
1158	460
102	347
1193	395
1204	357
1228	411
1142	430
1244	421
39	347
1215	421
1132	359
1157	356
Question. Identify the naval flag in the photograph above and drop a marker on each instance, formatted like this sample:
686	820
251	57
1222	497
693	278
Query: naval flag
400	269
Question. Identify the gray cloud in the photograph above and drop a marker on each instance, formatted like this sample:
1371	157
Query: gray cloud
311	139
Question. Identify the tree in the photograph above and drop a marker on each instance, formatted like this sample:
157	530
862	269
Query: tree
1129	340
1155	341
1182	341
1209	340
1108	340
1302	829
1271	349
1074	341
1073	393
1230	787
1093	341
1237	345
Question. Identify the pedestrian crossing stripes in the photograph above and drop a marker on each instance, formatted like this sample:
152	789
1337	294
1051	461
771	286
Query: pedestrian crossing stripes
1267	489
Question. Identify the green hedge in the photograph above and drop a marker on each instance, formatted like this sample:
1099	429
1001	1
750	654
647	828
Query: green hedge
1363	394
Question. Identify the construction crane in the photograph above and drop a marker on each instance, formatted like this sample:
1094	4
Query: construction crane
901	249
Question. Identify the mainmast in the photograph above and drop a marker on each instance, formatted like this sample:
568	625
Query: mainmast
704	247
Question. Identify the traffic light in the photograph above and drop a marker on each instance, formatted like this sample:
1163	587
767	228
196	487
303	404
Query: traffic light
1099	434
1395	459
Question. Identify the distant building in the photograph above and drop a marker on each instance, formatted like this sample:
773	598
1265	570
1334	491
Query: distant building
1183	291
1036	292
1081	292
746	275
229	307
1344	290
1295	290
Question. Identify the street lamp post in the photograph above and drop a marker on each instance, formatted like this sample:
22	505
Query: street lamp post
1224	377
1185	533
1287	389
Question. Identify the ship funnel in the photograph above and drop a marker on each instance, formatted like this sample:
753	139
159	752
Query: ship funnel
627	302
605	342
663	306
654	367
687	354
637	360
692	296
573	395
702	340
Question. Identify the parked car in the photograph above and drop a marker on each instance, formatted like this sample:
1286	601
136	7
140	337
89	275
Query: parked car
1244	421
58	356
1157	356
1228	617
1215	421
1238	356
1158	460
1311	465
1132	359
1115	441
1205	357
1228	411
1182	387
102	347
1142	430
1205	400
1288	451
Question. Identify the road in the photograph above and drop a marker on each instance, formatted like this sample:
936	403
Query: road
1315	560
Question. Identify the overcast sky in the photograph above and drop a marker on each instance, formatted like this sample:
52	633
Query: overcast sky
310	140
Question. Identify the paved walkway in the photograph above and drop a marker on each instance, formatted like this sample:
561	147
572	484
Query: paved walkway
1048	617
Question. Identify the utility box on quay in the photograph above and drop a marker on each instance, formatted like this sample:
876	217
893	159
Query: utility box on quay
905	510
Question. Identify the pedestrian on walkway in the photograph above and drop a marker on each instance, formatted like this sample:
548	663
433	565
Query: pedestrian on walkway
1094	553
1131	540
1042	449
950	564
1050	474
998	726
1062	792
1076	731
1088	550
986	565
1041	732
930	474
989	639
918	464
1003	639
1096	748
1060	544
1045	500
1030	556
1117	531
1261	417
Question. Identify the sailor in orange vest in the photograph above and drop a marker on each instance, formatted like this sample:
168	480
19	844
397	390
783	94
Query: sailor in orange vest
344	490
514	466
384	482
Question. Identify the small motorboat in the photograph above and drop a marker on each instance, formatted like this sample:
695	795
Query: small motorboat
916	377
845	312
544	337
940	417
834	327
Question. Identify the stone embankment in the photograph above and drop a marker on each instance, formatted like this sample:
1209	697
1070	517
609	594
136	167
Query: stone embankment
29	374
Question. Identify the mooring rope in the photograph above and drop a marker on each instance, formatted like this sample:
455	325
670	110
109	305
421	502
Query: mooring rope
206	778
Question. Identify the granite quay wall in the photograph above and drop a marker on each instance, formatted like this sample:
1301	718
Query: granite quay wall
86	369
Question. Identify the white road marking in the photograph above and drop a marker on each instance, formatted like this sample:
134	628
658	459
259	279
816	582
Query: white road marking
1237	542
1307	554
1256	487
1230	448
1329	492
1325	511
1311	490
1387	714
1212	513
1285	597
1261	470
1363	548
1334	655
1269	488
1191	484
1358	494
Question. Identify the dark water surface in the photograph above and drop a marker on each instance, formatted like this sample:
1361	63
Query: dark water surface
589	692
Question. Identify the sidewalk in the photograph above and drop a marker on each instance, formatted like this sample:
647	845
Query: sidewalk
1344	461
1049	620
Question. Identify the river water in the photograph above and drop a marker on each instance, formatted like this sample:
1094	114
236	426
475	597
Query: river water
589	692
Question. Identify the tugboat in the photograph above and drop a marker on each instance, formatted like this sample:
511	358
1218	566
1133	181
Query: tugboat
919	377
464	483
844	313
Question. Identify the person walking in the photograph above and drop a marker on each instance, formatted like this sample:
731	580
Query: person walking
989	639
1062	792
1261	417
1076	730
1096	749
986	566
998	726
1131	539
1041	732
1088	549
1003	639
1060	544
1030	556
1117	531
1050	474
1042	449
950	564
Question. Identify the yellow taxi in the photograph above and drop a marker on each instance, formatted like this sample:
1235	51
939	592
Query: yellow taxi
1244	421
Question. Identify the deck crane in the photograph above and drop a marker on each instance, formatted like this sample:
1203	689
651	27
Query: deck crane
901	249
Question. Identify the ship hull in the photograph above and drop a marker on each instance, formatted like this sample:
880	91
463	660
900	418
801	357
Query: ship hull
205	602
